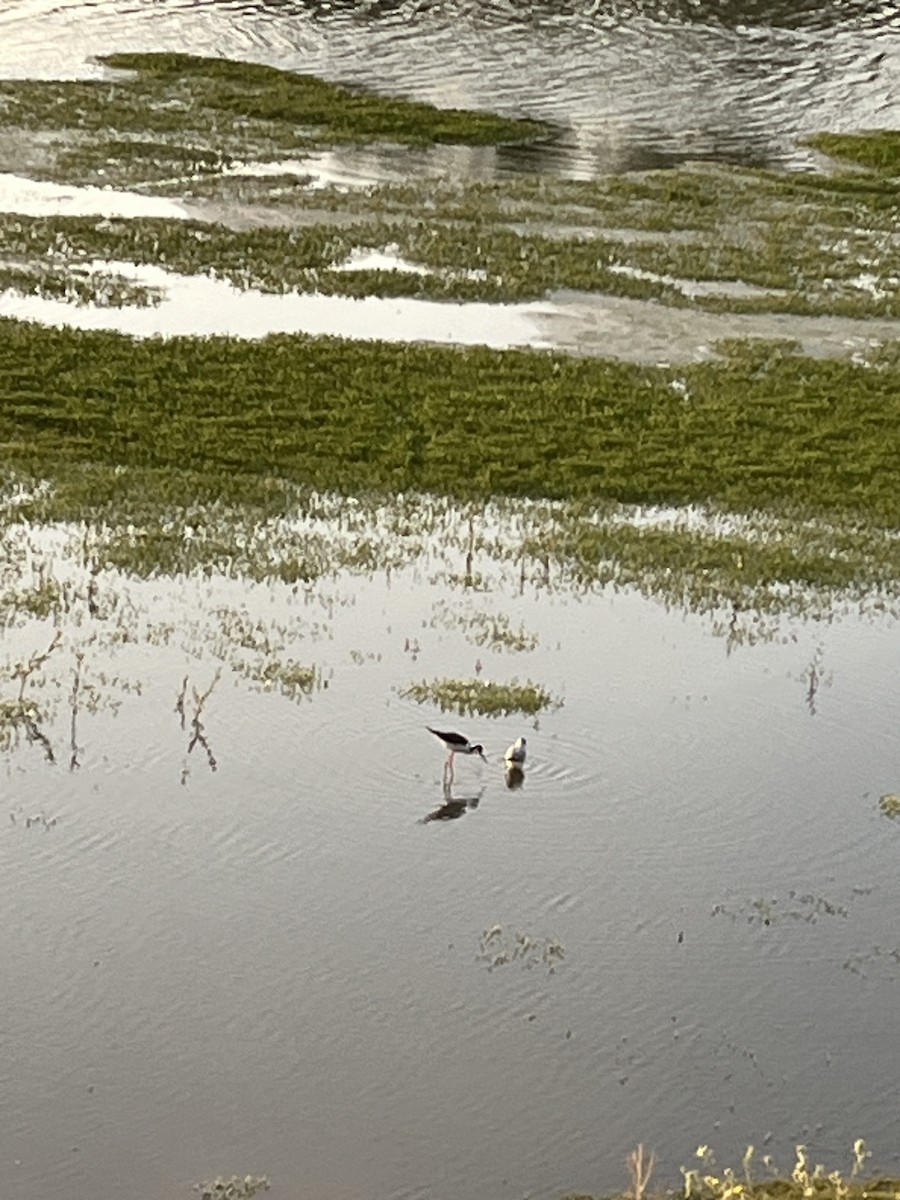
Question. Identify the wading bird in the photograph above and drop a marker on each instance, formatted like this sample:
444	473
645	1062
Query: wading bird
457	744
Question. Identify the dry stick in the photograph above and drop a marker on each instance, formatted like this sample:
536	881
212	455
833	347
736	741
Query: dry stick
24	670
197	724
639	1172
179	702
73	729
23	673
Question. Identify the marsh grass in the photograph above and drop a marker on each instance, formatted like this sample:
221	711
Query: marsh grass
184	106
77	285
469	697
816	244
805	1182
333	415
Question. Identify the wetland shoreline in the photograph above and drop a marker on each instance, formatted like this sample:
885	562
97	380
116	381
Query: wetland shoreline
756	485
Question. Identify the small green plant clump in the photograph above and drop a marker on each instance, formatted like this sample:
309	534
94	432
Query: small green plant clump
234	1188
469	697
499	948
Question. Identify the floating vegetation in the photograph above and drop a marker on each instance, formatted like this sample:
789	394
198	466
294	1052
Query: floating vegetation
469	697
500	948
890	805
878	959
798	907
291	678
235	1188
494	631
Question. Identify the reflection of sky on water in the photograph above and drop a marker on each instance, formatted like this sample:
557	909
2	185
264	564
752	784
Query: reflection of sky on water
198	305
40	198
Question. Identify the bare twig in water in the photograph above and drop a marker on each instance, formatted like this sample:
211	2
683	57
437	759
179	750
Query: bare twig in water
198	735
74	749
24	671
35	734
92	590
23	713
639	1170
179	702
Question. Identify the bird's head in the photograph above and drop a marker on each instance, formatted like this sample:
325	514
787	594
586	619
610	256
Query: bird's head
479	750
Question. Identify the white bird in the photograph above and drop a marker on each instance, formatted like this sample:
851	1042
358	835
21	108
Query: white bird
516	752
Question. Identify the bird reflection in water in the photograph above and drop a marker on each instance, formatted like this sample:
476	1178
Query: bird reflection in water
515	776
514	764
453	806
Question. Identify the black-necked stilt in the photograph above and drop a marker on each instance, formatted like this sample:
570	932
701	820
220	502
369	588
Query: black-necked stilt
457	744
516	752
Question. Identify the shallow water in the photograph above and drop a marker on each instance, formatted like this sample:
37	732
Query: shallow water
572	322
242	946
254	953
195	305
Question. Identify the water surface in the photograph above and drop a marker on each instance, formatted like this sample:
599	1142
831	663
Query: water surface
248	950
